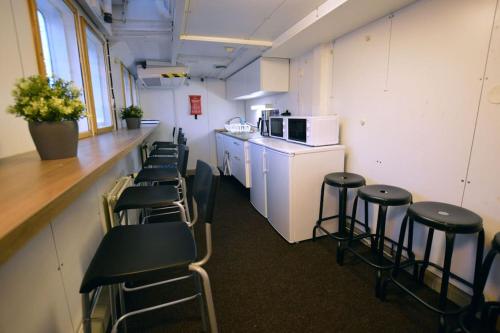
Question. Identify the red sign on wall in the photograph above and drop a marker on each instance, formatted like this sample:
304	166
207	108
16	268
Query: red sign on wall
195	101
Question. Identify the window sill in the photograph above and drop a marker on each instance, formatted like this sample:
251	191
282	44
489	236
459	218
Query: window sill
34	191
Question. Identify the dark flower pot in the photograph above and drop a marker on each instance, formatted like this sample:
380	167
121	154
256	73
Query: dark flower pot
55	139
133	123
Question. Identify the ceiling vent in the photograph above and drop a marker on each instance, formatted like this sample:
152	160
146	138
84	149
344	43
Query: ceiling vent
168	77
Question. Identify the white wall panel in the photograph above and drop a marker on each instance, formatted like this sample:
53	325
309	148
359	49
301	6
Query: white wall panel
18	60
33	299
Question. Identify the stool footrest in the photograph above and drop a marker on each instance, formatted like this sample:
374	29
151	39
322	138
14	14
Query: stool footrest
452	275
376	265
336	235
394	280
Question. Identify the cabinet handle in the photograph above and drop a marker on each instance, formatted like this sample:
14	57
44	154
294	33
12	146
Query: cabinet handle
236	143
236	158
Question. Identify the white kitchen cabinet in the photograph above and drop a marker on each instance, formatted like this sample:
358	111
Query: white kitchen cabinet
238	157
258	193
264	76
219	141
278	191
286	182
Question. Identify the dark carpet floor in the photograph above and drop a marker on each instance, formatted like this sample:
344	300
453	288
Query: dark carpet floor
263	284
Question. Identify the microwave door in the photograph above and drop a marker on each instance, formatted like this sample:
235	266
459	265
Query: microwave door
297	130
277	127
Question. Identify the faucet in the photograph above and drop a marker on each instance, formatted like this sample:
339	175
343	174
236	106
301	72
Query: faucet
230	120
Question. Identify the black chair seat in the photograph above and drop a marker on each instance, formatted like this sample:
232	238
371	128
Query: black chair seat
496	242
344	179
164	145
129	252
385	195
137	197
158	161
163	152
156	175
445	217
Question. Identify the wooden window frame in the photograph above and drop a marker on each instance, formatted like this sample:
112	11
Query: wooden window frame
130	77
84	24
81	23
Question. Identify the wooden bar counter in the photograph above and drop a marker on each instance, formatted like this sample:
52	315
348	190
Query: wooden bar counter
32	192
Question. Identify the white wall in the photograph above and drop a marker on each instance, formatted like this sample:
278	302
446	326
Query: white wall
408	90
172	108
18	60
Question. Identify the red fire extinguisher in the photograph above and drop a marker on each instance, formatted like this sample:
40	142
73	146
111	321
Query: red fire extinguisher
195	101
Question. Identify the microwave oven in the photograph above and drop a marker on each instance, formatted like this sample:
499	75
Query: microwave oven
314	130
278	127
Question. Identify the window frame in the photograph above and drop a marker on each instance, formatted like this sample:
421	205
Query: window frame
81	23
124	69
84	24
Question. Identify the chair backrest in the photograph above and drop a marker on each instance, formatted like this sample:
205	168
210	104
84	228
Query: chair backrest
173	135
180	138
206	184
182	159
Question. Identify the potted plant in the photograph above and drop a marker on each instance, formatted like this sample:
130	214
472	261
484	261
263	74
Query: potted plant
132	115
52	108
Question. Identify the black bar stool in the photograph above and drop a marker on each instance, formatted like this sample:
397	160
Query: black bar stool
384	196
132	253
452	220
343	181
482	316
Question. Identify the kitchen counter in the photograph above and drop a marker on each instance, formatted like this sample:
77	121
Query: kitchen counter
292	148
240	136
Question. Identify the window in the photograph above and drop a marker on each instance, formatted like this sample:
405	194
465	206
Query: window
135	99
97	66
59	45
127	89
68	47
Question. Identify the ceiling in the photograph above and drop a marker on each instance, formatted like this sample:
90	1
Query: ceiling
150	30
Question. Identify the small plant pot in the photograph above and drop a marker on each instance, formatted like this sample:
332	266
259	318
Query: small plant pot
55	139
133	123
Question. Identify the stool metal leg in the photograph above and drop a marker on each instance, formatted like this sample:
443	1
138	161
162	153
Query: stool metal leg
481	277
320	210
351	230
382	215
112	303
443	295
367	226
428	246
208	296
202	303
86	320
123	310
342	211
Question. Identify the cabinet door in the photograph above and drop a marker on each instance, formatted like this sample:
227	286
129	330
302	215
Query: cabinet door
278	191
219	141
258	195
253	77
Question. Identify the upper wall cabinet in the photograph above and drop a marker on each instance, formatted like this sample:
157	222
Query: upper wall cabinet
264	76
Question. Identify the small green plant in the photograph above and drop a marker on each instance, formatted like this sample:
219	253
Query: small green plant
131	112
38	98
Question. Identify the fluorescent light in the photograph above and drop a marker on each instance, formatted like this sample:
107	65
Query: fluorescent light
259	107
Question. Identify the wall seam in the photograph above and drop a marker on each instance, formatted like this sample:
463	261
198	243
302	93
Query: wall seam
61	275
17	38
479	103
